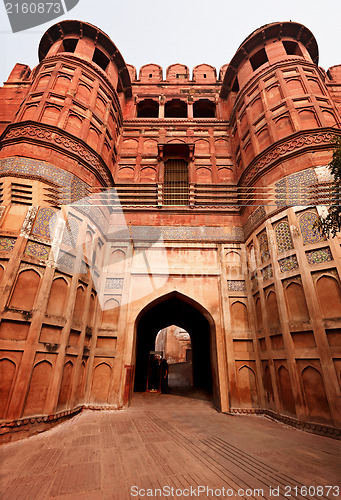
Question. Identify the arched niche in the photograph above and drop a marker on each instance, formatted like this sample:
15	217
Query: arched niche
273	95
73	124
92	307
7	373
81	383
84	93
272	310
62	83
204	175
117	261
43	82
58	297
51	115
126	173
263	138
307	119
202	147
233	262
150	147
295	87
329	296
66	385
269	392
239	317
296	302
29	113
285	390
93	138
79	305
101	383
25	290
110	313
247	387
283	126
148	174
129	146
259	314
38	389
315	395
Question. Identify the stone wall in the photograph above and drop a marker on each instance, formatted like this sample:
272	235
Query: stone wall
88	244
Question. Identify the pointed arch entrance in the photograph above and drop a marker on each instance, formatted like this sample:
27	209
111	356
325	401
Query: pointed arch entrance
178	309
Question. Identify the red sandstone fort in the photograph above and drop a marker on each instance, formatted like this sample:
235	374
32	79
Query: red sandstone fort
131	202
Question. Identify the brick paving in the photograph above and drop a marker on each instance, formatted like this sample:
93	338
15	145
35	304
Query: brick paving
168	441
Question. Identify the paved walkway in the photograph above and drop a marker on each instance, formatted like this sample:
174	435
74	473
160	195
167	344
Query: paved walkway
172	442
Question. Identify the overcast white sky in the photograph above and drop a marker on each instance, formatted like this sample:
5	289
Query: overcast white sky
186	31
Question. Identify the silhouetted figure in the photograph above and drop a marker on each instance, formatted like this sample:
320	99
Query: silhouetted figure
164	376
154	379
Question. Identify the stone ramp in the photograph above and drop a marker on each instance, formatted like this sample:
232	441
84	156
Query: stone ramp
167	441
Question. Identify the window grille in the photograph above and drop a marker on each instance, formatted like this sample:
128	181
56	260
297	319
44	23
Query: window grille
21	194
176	183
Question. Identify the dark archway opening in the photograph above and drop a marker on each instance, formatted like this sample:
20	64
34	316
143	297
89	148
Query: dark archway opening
175	310
176	108
176	370
148	108
204	108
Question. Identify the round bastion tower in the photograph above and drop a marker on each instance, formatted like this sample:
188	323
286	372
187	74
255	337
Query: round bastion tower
72	112
282	121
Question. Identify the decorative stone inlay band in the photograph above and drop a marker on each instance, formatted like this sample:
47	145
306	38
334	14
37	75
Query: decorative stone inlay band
288	264
38	250
190	233
267	272
7	244
60	138
295	142
319	256
114	283
236	286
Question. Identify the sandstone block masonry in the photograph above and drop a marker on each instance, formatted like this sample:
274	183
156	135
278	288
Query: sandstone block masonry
131	203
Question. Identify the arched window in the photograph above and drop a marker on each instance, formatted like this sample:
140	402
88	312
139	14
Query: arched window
258	59
204	108
68	45
176	187
176	108
292	48
100	59
148	108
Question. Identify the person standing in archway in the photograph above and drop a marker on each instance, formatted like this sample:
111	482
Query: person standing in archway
154	375
164	377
